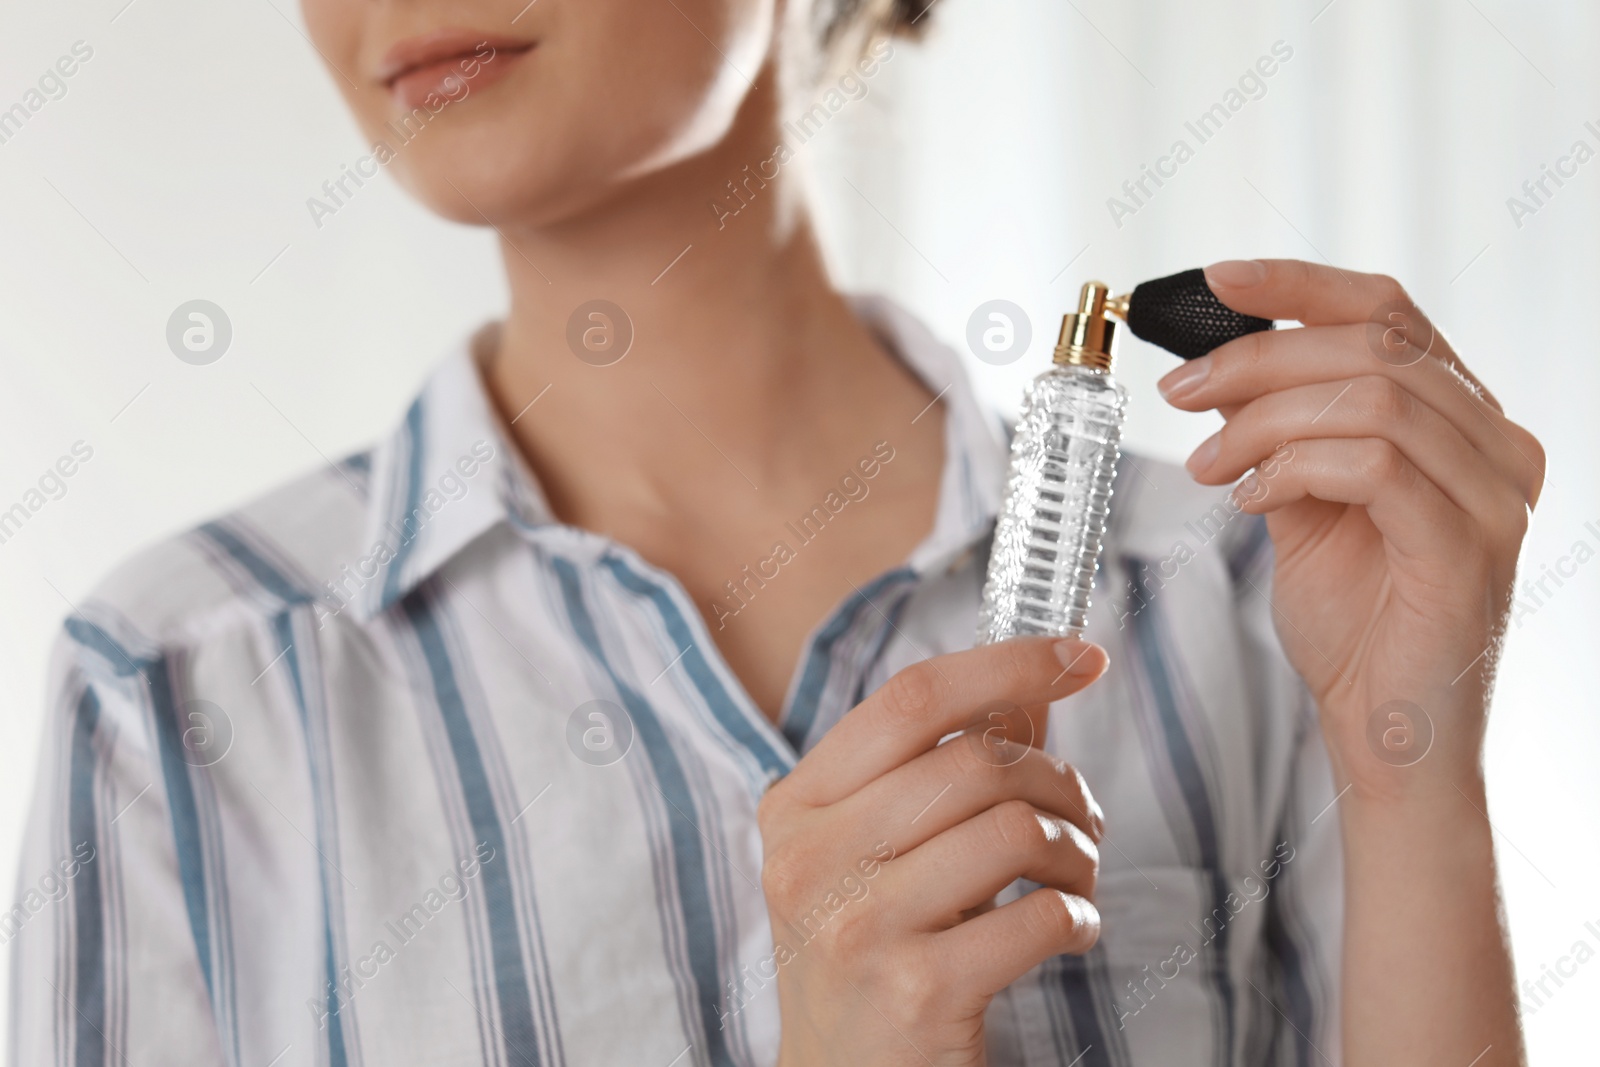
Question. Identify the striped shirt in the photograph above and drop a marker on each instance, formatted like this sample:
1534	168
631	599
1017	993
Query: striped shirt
393	767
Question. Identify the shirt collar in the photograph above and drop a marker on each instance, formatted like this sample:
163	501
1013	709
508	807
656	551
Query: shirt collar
976	448
442	478
448	473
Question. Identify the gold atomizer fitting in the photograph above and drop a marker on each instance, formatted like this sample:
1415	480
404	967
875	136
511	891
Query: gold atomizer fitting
1089	335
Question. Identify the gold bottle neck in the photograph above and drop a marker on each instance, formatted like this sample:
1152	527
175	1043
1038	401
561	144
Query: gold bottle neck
1089	335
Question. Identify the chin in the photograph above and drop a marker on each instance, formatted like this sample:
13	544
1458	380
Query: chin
521	187
496	159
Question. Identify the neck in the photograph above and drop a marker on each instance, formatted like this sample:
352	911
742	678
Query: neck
738	338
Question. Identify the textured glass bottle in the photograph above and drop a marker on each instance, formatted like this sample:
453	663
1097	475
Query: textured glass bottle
1058	495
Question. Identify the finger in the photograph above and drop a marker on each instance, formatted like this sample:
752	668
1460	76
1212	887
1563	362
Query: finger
1372	406
910	712
969	863
1261	363
1000	946
1320	295
1312	293
960	779
1407	509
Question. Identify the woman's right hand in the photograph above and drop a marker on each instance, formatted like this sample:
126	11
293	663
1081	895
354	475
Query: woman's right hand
884	851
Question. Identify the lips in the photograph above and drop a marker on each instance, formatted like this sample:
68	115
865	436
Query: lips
448	64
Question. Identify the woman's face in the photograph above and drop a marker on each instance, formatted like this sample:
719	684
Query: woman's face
525	113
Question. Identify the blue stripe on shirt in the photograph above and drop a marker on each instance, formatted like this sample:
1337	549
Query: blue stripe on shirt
96	640
1282	945
1296	993
1185	761
88	905
802	712
512	985
395	568
261	572
733	719
282	628
182	803
1078	976
273	581
185	812
1245	555
694	898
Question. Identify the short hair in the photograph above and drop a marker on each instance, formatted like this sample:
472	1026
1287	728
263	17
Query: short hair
850	23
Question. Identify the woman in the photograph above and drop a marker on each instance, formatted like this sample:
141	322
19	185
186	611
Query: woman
594	717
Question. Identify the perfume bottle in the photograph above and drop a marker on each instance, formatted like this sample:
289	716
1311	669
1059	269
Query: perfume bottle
1058	496
1064	456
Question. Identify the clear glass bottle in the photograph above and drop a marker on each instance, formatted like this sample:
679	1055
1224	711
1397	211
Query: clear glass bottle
1058	497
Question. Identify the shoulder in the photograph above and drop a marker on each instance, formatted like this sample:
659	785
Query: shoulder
248	565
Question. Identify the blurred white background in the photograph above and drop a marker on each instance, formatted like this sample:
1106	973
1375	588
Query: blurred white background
178	162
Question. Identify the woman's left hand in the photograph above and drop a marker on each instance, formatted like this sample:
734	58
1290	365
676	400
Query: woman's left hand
1396	493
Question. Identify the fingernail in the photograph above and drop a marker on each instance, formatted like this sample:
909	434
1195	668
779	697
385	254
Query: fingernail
1237	273
1085	918
1184	380
1078	656
1246	491
1205	455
